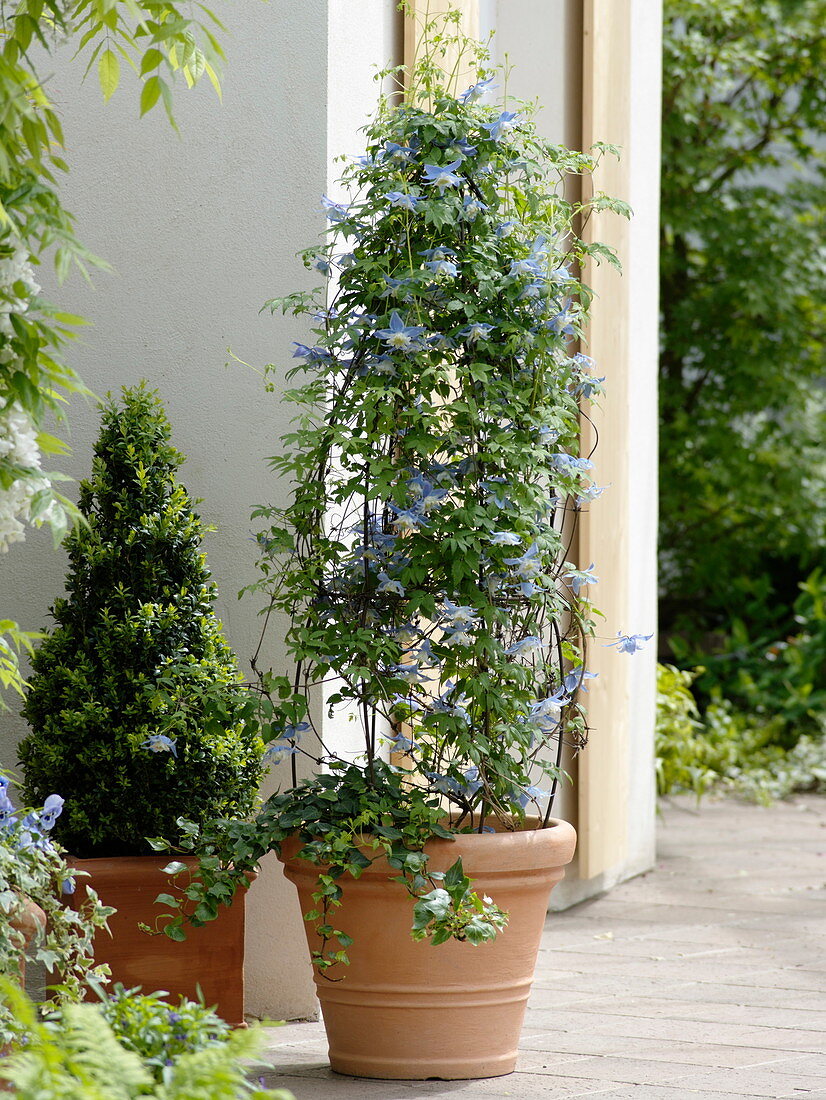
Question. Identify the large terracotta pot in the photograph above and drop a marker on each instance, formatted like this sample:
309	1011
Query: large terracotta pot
409	1010
211	957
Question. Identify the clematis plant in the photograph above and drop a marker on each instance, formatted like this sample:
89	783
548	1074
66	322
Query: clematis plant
423	559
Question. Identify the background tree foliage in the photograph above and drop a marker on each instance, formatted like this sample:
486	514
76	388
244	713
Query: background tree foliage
743	278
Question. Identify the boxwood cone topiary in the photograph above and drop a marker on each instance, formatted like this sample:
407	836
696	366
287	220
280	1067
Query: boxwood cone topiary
136	706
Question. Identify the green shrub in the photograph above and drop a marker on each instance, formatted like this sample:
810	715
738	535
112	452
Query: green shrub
678	746
137	661
770	677
157	1031
78	1055
727	749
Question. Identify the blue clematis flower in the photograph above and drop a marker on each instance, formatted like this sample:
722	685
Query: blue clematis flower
546	713
440	340
279	751
400	337
576	678
460	148
334	210
322	264
387	584
408	519
459	616
406	635
294	732
505	538
578	578
479	330
528	265
447	704
504	229
457	636
443	176
403	200
442	267
439	253
476	91
411	672
398	154
568	464
588	386
560	324
401	743
159	742
531	794
502	126
444	784
471	206
312	355
527	567
630	643
525	646
383	364
494	492
472	782
424	493
536	288
396	288
591	492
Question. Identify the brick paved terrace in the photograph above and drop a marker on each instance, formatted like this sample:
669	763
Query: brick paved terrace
705	978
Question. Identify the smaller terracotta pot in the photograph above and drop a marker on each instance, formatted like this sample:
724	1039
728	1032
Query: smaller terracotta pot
211	957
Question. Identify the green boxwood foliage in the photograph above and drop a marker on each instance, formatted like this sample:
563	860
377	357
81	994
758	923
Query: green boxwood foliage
136	707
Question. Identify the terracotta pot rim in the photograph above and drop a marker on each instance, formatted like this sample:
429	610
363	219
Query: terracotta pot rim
134	866
521	849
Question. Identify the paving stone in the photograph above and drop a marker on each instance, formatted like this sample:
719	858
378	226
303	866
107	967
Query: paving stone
696	1054
611	1068
809	1064
756	1082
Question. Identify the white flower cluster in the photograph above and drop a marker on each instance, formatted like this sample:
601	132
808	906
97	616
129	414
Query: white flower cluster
18	435
18	447
17	286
